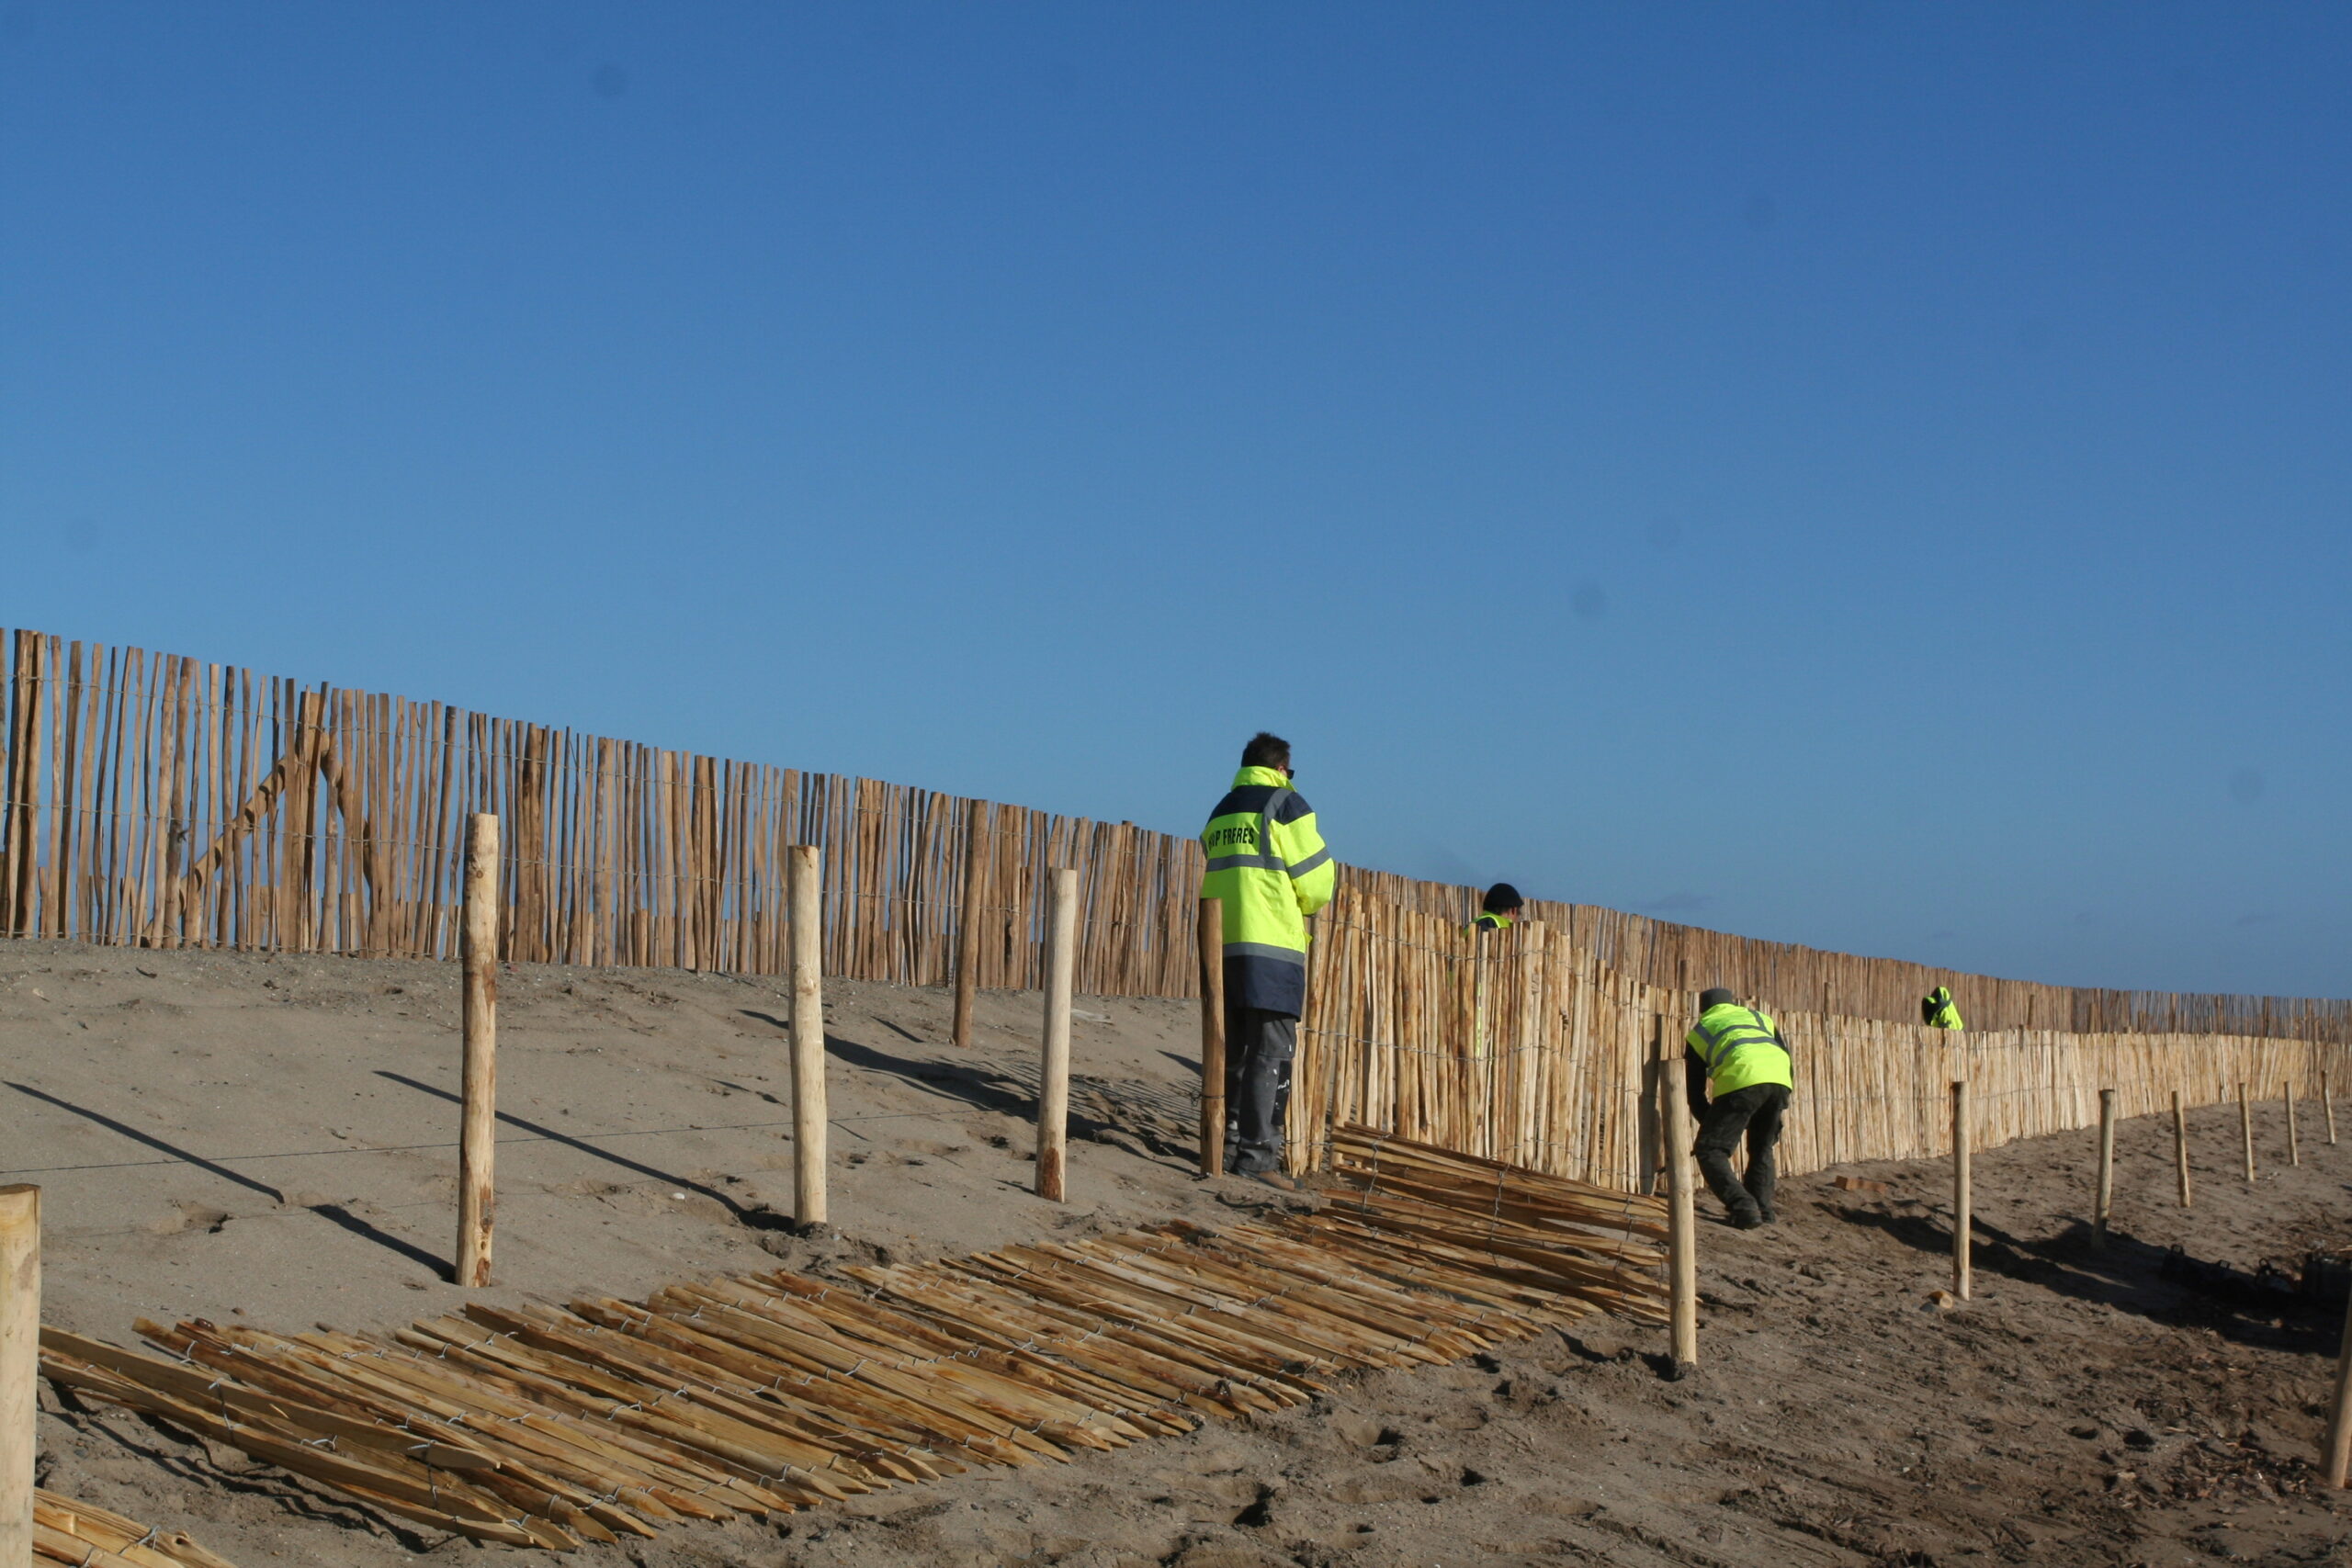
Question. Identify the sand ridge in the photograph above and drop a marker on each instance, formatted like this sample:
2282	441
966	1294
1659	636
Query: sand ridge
269	1140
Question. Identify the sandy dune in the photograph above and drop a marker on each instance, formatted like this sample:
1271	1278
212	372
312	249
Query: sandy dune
226	1136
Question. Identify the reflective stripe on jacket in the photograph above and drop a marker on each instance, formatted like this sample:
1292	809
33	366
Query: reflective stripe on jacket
1741	1047
1268	866
1940	1010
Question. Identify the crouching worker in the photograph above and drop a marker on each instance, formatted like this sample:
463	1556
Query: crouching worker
1738	1053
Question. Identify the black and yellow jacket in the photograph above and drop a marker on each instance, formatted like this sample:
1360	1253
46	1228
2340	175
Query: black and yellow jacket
1268	863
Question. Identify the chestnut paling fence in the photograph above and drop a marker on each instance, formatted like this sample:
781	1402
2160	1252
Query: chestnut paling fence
1531	1050
164	801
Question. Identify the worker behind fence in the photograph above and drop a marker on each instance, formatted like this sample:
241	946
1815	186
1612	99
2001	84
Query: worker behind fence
1738	1053
1938	1011
1498	909
1268	863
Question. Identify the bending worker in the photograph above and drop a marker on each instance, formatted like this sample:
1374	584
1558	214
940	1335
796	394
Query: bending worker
1498	909
1738	1053
1268	863
1938	1011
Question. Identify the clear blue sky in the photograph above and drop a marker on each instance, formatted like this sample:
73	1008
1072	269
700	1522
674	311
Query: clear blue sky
1873	476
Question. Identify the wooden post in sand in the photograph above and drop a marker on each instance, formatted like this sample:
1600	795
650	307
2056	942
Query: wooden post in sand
2294	1149
19	1369
1211	931
2180	1146
1960	1206
1681	1224
807	895
478	1141
2339	1416
2245	1130
1053	1077
967	922
2106	1201
2327	1101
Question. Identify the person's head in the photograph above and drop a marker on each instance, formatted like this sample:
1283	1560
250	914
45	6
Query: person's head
1502	898
1267	750
1715	996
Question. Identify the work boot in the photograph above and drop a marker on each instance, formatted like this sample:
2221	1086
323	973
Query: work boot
1747	1217
1278	1179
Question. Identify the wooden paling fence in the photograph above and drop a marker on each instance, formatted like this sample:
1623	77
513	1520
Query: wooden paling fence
164	801
758	1394
1691	958
1521	1048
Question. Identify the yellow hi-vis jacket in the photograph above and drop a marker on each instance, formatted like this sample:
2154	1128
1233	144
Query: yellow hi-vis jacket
1741	1048
1268	863
1940	1010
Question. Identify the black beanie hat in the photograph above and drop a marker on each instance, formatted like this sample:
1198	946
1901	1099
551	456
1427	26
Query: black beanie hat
1501	899
1715	996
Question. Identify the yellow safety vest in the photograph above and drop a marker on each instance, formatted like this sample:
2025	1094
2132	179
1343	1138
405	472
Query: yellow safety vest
1268	866
1741	1047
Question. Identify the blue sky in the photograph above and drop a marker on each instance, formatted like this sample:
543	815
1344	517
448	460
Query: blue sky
1869	476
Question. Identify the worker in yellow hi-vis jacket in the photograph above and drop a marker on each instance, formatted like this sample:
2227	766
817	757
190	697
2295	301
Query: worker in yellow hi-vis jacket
1739	1082
1498	910
1267	862
1938	1011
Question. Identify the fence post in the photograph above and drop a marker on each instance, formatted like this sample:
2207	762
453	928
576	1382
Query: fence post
1210	935
2105	1205
2180	1146
2245	1129
808	894
1681	1223
478	1141
1053	1077
968	923
2294	1149
2327	1101
1960	1218
2339	1416
19	1369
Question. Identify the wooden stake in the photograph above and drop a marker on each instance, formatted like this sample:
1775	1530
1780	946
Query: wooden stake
2294	1149
1053	1081
477	1146
2327	1102
2106	1201
1211	941
1682	1241
1960	1205
19	1369
2339	1417
2180	1146
808	894
968	921
2245	1127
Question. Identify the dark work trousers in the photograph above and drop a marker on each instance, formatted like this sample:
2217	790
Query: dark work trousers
1756	1112
1257	1050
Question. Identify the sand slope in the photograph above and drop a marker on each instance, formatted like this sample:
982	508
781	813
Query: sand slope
225	1135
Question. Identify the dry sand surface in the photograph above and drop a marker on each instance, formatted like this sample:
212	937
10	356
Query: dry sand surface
272	1141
